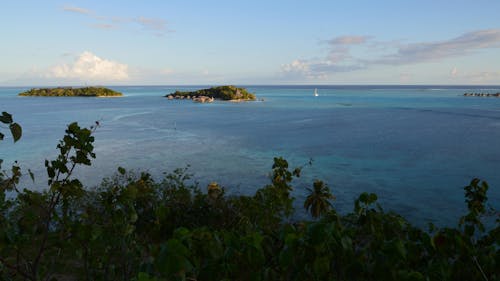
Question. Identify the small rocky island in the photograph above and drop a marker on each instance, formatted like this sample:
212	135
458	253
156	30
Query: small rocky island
226	93
71	92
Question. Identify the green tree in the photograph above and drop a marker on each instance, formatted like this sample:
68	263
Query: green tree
33	224
132	227
7	182
317	202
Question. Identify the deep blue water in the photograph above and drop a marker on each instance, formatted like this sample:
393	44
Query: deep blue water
415	146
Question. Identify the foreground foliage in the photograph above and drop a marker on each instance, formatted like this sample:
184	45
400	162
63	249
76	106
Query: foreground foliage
72	92
132	227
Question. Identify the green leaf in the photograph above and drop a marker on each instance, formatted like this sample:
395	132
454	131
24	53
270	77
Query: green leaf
415	276
316	233
363	197
95	234
173	258
181	233
469	230
296	172
321	266
400	248
291	239
32	176
129	229
133	217
286	256
346	243
121	170
142	276
16	131
6	118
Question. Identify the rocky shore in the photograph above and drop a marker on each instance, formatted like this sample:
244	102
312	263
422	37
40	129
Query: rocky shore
225	93
482	95
201	99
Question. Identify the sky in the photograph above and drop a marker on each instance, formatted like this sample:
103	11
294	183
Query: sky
199	42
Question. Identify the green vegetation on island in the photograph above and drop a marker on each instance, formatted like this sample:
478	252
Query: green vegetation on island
133	227
71	92
227	93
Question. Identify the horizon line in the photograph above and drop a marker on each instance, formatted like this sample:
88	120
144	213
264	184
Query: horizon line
252	85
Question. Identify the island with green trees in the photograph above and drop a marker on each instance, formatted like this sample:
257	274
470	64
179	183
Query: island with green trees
226	93
71	92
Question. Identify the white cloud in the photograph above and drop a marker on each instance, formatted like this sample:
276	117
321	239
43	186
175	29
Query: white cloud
104	26
315	69
349	40
338	59
90	67
156	26
434	51
454	72
296	66
77	10
296	69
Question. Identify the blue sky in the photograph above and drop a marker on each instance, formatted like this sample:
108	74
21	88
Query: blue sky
249	42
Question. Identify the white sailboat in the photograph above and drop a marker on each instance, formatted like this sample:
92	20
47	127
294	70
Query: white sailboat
316	92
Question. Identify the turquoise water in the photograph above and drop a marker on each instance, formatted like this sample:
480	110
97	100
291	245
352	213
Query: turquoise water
416	147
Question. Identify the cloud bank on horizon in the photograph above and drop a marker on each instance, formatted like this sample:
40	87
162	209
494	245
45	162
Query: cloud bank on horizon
340	58
89	67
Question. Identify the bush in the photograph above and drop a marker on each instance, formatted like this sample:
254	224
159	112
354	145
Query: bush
132	227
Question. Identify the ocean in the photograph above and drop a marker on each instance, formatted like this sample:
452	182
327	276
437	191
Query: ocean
416	147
